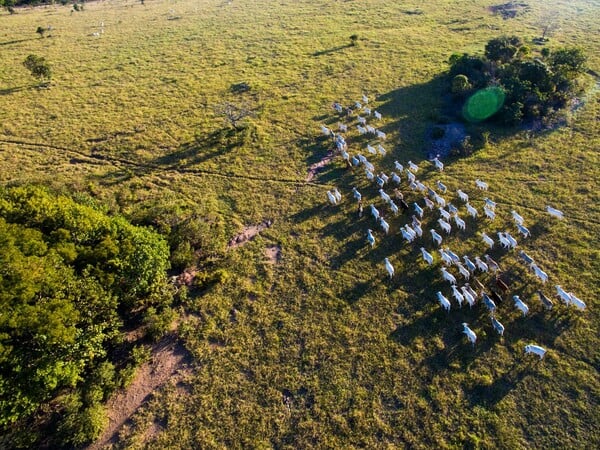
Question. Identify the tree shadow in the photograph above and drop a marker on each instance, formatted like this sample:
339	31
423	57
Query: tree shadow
331	50
12	90
204	148
17	41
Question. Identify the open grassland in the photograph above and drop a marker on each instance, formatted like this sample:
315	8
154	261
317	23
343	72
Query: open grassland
320	350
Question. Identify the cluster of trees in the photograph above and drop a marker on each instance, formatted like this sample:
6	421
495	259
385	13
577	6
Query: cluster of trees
70	276
534	87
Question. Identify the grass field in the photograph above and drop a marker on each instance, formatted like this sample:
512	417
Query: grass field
320	350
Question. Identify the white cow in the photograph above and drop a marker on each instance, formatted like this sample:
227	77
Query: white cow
436	237
429	203
441	186
463	196
468	296
555	212
521	305
357	195
385	197
498	326
472	211
489	213
444	302
517	218
460	223
331	198
470	334
428	257
458	296
536	350
413	167
578	303
399	167
480	264
382	151
395	178
445	226
370	238
445	214
539	273
481	185
389	267
377	115
448	276
488	240
438	164
384	225
563	295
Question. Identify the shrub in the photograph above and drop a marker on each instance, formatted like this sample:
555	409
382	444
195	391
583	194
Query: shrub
460	85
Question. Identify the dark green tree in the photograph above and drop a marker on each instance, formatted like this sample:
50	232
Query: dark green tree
503	49
38	67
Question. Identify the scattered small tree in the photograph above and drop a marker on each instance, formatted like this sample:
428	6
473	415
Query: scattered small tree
39	68
460	85
234	114
40	31
354	39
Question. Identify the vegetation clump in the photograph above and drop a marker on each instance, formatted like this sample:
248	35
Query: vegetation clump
532	87
71	277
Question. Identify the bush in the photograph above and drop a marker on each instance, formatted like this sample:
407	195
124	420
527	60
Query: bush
158	323
460	85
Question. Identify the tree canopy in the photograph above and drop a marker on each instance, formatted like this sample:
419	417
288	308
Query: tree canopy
534	86
69	273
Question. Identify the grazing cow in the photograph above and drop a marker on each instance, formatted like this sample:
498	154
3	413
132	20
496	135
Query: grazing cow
411	176
489	213
493	265
452	209
525	257
478	283
490	204
337	194
357	105
429	203
501	284
444	302
489	303
454	256
545	300
395	178
555	212
480	264
438	164
463	271
446	259
412	185
468	296
361	130
343	128
384	225
420	186
413	167
355	161
399	167
445	226
403	205
374	212
418	229
415	221
410	231
470	334
481	185
337	107
524	231
439	200
520	305
428	257
460	223
326	131
367	111
472	211
543	276
371	149
393	207
436	237
370	238
385	197
369	175
463	196
470	265
377	115
331	198
345	155
503	241
448	276
361	158
511	240
536	350
458	296
381	135
445	214
365	99
382	151
357	195
370	129
389	267
498	326
418	210
563	295
578	303
517	218
471	291
369	166
406	235
441	186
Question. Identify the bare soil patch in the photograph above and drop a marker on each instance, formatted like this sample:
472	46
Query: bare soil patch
273	254
316	167
169	363
510	10
249	233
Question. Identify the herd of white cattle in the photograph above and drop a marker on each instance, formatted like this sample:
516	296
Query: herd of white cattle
434	202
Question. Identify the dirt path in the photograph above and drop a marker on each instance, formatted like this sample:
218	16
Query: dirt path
169	363
314	168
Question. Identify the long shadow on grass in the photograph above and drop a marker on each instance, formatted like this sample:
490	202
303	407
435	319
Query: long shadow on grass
204	148
331	50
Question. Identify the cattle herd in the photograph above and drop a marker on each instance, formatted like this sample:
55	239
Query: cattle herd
431	201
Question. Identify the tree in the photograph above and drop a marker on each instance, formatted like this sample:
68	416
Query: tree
353	39
460	85
503	49
40	31
234	114
568	62
38	67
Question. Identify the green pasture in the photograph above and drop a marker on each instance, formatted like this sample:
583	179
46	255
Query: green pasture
322	350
